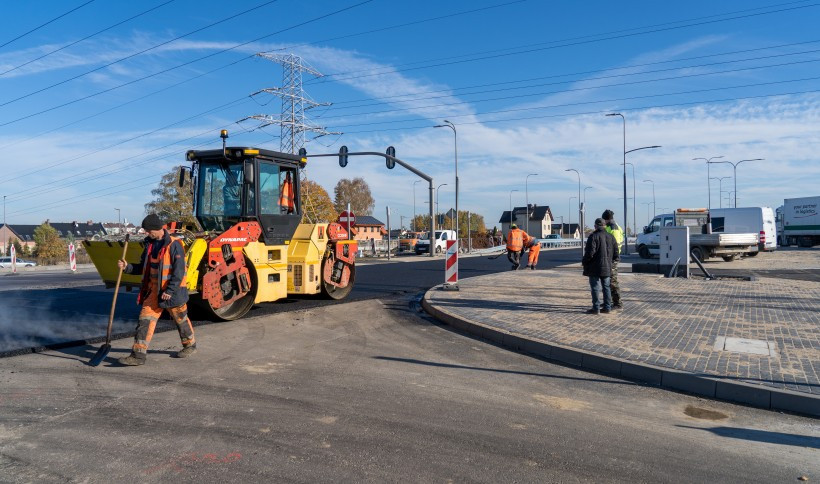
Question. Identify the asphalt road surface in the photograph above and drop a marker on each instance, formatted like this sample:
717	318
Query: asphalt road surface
370	391
39	307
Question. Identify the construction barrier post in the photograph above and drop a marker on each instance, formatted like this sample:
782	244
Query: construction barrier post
13	260
451	266
72	260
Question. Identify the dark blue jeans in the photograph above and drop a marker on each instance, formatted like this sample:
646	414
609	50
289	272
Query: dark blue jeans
595	284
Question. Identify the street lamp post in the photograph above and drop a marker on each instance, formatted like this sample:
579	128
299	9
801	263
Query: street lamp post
561	233
415	228
626	245
455	145
5	227
708	177
569	208
438	214
119	223
734	168
634	197
527	198
580	215
653	196
647	210
720	186
511	212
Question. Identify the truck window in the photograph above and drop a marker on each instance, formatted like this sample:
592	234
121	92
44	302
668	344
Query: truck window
655	226
718	224
668	222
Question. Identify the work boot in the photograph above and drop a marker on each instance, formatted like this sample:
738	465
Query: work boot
606	311
134	359
186	351
532	268
617	305
593	311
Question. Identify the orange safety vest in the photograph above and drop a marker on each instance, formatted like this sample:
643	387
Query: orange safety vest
515	240
286	195
158	269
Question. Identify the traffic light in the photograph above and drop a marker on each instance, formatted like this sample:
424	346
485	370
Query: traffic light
389	161
343	156
302	153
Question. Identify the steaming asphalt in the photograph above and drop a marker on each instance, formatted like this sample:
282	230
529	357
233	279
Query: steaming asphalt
41	307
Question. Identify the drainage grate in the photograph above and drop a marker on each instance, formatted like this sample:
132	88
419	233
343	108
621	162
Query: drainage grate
743	345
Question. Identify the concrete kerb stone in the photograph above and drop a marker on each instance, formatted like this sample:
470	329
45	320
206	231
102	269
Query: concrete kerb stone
705	386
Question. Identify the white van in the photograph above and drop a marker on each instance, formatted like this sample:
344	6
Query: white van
759	220
442	236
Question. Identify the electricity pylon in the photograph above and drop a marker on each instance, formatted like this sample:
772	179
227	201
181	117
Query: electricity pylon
292	121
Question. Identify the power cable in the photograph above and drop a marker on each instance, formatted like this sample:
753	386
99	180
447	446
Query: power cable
315	19
563	91
597	79
87	37
43	25
580	73
567	43
137	53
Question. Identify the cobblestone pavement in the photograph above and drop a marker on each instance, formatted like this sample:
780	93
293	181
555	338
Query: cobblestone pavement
671	323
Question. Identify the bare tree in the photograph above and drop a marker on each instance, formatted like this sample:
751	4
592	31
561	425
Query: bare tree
356	192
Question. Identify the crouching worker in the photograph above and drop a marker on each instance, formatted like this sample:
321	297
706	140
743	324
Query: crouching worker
515	245
535	248
162	266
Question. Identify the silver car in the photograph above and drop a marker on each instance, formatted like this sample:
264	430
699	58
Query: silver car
6	262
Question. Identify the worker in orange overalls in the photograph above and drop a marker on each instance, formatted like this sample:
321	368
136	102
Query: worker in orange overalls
535	248
164	287
515	244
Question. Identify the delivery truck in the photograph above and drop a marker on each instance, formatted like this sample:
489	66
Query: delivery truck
799	221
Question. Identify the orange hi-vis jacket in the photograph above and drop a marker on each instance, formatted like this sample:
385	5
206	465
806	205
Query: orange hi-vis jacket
286	201
515	240
158	270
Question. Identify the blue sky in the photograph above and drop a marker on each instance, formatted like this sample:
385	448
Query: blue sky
90	124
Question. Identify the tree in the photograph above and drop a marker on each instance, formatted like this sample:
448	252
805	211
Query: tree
357	193
172	202
316	203
50	247
17	247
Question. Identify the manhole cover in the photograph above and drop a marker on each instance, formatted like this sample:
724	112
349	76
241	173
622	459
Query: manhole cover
743	345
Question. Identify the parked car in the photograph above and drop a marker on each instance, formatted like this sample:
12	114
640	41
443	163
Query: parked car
6	262
442	236
553	236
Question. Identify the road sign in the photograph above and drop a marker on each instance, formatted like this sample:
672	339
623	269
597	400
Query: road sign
347	219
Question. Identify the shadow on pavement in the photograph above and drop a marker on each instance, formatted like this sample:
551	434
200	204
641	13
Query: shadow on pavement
762	436
497	370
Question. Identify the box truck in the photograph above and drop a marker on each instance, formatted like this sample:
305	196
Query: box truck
799	221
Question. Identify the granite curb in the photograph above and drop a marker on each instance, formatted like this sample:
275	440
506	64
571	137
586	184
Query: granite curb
692	383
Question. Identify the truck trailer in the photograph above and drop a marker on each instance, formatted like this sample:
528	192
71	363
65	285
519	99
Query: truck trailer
799	221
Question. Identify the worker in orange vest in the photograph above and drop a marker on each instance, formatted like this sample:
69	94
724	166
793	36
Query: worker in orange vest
535	248
515	244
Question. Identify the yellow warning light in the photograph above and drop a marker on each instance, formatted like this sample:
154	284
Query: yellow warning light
251	152
190	156
223	134
304	160
692	210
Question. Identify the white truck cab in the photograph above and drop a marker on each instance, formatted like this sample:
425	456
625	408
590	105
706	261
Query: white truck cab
441	238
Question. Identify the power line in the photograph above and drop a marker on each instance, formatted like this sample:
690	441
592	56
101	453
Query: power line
596	79
315	19
137	53
87	37
43	25
530	49
610	69
563	91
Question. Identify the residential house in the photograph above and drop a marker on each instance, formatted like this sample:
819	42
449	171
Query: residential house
567	231
540	220
112	228
368	227
25	233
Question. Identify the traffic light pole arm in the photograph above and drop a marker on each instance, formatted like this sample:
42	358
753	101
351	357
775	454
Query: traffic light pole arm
423	175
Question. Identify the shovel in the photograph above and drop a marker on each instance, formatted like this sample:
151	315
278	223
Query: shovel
104	349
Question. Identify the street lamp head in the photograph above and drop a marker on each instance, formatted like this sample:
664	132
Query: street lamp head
614	114
648	181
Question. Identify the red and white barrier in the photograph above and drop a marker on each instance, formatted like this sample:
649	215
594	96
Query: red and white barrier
13	260
72	261
451	265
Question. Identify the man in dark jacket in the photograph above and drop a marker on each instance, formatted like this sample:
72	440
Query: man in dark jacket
600	254
164	287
